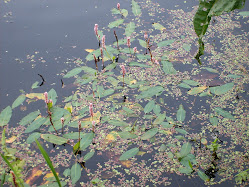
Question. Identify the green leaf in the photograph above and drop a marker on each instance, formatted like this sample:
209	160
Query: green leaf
233	76
72	73
5	116
213	120
130	153
19	100
184	85
149	107
224	113
67	172
54	139
32	137
203	176
130	28
75	173
157	110
53	96
110	66
118	123
86	140
35	124
185	170
191	82
139	64
159	119
181	131
162	148
127	135
219	90
186	47
210	70
168	67
90	70
157	90
35	85
197	90
46	157
244	13
89	155
181	113
185	150
116	23
135	8
149	134
142	43
165	43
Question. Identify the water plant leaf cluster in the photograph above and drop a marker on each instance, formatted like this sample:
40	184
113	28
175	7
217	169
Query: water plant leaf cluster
137	115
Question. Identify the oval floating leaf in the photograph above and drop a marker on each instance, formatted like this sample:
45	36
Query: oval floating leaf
86	140
32	137
165	43
159	119
89	155
130	28
224	113
149	134
72	73
203	176
18	101
191	82
5	116
185	150
128	154
219	90
116	23
29	118
181	113
142	43
118	123
168	67
52	95
54	139
149	107
157	90
75	173
35	124
135	8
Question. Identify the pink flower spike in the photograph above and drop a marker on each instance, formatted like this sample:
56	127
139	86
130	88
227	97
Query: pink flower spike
118	6
91	109
123	70
135	49
96	29
129	41
103	41
62	120
46	97
145	36
156	62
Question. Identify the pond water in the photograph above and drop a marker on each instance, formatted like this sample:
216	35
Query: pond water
173	123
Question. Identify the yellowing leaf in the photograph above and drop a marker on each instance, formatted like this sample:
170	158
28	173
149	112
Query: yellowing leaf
89	50
141	153
111	136
11	140
158	26
36	173
126	163
96	117
133	81
35	96
196	90
69	107
48	175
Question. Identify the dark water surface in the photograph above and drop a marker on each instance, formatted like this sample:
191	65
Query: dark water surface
39	36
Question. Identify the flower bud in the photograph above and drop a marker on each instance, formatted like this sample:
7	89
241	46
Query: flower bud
135	49
96	29
129	41
118	6
46	97
123	70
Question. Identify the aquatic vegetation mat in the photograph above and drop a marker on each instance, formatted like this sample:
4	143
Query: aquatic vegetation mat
144	111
